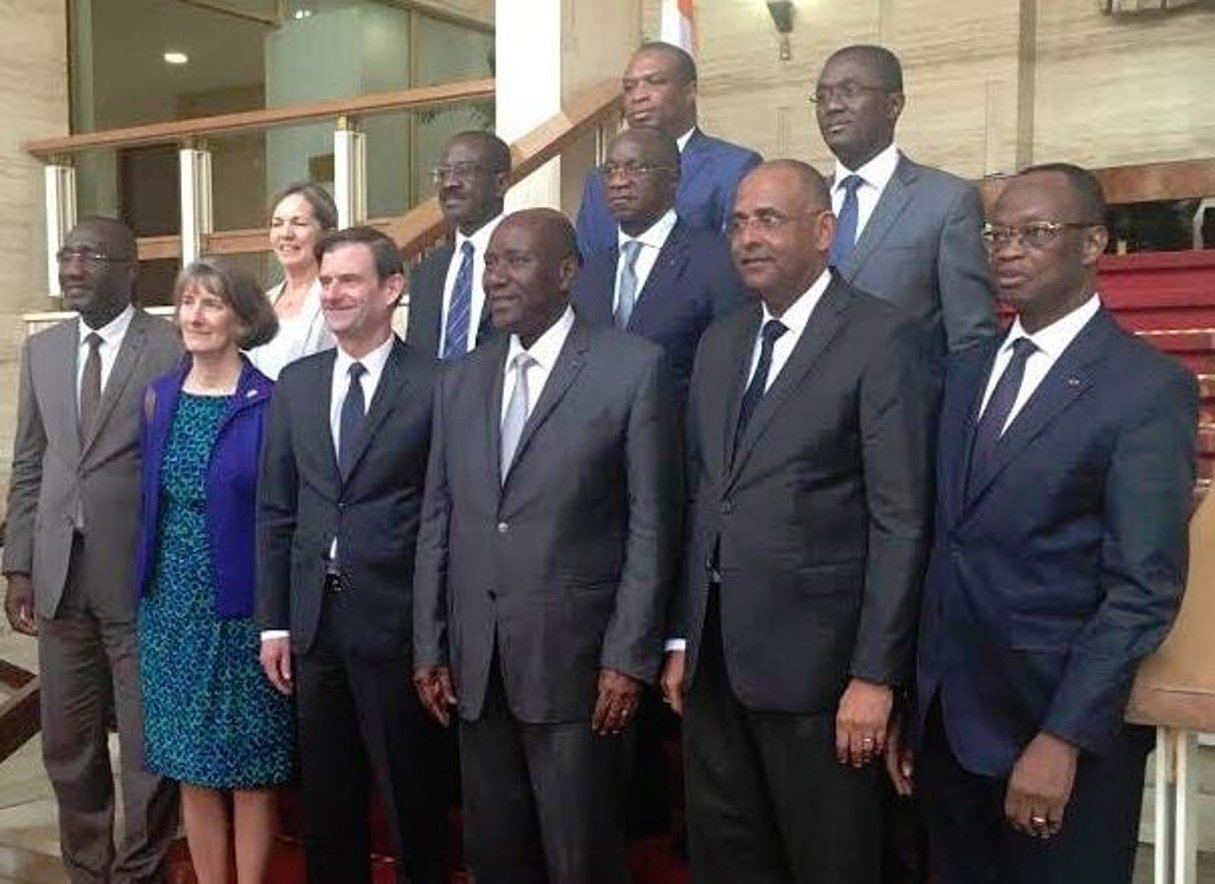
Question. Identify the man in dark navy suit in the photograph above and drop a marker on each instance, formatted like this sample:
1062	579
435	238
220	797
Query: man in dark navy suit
661	279
1065	469
659	87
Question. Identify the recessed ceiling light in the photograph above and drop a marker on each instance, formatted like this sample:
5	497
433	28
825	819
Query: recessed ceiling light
174	57
303	13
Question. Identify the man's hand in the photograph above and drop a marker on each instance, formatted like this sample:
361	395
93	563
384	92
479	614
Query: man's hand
671	680
861	720
19	604
276	663
1040	786
433	684
900	760
619	695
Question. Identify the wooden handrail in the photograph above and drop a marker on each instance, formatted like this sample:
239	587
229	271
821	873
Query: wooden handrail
290	115
422	226
1146	182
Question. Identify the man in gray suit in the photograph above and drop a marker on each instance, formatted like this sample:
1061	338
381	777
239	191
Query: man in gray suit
73	513
907	233
545	560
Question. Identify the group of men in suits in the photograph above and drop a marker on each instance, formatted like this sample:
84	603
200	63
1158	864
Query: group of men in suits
578	478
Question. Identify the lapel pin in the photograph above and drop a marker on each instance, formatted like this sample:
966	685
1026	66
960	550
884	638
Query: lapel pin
1073	382
251	394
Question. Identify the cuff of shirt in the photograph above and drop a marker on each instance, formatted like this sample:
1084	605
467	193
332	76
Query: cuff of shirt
268	634
675	644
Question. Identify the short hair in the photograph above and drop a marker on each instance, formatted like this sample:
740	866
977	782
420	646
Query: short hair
239	290
383	249
808	176
685	65
664	145
1085	186
323	206
497	150
884	64
115	229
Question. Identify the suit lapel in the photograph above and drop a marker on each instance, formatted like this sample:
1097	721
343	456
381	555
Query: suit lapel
62	388
668	267
492	381
1067	380
972	386
738	359
597	288
133	343
388	392
890	205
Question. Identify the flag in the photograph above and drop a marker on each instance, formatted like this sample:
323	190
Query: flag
679	25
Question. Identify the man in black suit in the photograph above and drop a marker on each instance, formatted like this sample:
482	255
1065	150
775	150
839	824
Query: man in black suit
1064	479
663	280
810	418
448	315
339	496
545	561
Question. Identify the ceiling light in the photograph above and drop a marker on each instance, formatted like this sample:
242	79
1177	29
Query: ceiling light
175	57
302	13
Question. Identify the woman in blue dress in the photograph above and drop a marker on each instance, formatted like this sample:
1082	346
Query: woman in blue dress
212	720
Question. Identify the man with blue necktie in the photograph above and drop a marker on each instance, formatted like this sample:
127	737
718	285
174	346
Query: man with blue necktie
448	315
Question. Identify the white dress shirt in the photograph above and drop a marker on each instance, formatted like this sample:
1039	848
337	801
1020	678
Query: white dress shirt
1050	341
876	174
682	140
476	306
112	334
652	239
544	353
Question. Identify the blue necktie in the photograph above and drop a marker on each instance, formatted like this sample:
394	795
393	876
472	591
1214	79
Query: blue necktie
999	406
773	329
455	337
845	233
353	410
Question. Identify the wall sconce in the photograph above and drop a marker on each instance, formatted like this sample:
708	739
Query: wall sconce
782	17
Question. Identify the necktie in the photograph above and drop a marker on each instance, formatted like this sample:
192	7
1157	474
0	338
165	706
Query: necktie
1000	405
845	234
626	297
516	412
455	337
90	385
353	409
773	329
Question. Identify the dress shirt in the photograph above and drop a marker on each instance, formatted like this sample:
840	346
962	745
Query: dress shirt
1050	341
652	239
112	334
476	307
544	353
682	140
875	174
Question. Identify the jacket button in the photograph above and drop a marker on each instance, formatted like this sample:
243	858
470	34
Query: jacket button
493	595
726	507
503	527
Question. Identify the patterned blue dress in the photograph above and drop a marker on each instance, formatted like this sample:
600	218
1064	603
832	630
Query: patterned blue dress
211	717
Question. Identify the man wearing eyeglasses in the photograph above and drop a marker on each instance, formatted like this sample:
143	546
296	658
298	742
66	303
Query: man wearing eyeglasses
1065	472
73	511
907	233
663	280
448	315
659	90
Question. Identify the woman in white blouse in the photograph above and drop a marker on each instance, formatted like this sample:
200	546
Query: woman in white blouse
300	215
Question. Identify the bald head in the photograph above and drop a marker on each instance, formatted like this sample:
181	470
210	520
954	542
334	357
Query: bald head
530	265
808	185
878	61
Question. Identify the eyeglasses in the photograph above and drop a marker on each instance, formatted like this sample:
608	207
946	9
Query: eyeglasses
765	222
87	255
847	92
1035	235
631	170
461	171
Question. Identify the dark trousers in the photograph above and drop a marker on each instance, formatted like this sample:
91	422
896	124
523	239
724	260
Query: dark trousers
360	719
543	803
768	803
89	673
971	843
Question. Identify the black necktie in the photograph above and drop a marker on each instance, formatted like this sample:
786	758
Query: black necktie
353	410
90	385
1000	405
773	329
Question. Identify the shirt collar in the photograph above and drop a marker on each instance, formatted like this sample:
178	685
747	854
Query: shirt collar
548	346
798	314
683	139
654	236
112	331
479	237
374	361
1053	339
876	173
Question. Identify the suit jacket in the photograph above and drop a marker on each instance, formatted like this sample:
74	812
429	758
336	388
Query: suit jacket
304	502
921	249
820	519
567	563
60	486
424	328
231	484
709	172
693	281
1062	564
